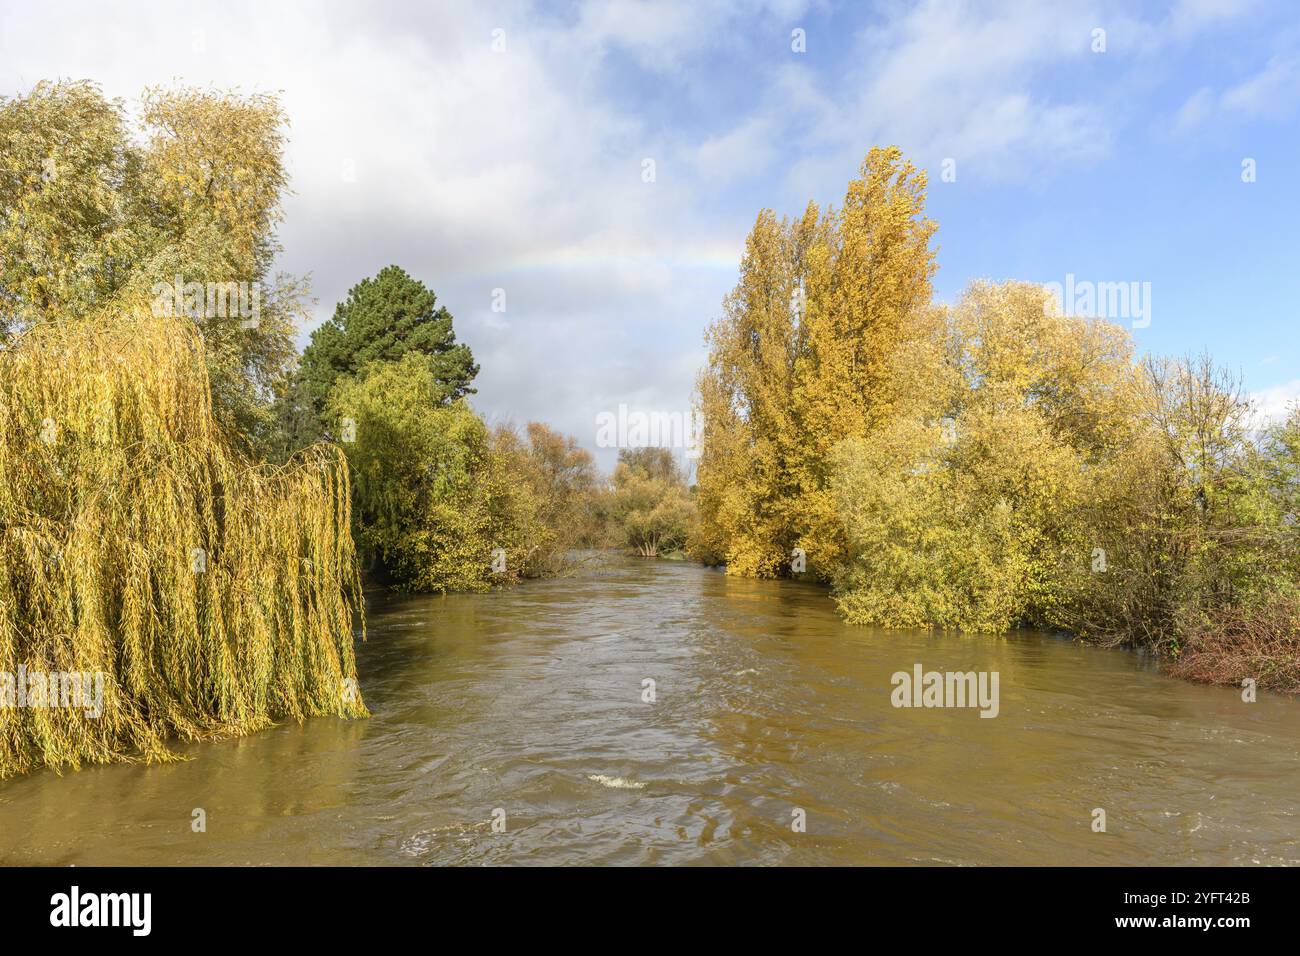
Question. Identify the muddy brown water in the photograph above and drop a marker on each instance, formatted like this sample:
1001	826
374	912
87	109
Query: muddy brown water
530	702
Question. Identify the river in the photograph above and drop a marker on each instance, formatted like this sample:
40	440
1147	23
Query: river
527	707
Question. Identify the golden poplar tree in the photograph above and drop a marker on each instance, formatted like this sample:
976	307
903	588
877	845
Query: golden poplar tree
806	355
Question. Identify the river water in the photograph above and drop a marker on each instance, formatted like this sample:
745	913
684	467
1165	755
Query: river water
527	707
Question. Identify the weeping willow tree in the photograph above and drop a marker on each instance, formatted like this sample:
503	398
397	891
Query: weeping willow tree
211	596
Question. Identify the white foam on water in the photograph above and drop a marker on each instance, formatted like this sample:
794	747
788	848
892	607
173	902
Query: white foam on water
617	783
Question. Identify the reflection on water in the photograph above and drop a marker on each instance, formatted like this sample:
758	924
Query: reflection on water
531	701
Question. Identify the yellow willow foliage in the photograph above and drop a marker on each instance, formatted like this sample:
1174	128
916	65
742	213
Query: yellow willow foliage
213	595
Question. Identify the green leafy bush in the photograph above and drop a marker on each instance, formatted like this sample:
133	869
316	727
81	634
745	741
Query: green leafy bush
436	503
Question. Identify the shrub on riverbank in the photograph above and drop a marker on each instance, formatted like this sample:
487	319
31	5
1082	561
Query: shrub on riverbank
1259	641
440	503
966	508
562	482
213	595
1205	555
649	508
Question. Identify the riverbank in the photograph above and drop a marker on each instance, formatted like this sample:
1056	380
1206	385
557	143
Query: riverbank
1240	651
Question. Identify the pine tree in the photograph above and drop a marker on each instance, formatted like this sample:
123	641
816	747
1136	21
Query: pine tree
381	320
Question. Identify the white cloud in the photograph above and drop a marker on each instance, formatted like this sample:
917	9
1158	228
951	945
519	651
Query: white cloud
962	81
1272	92
1195	109
745	150
1190	16
1273	404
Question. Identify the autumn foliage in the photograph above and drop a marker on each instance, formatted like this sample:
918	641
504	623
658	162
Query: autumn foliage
987	464
207	595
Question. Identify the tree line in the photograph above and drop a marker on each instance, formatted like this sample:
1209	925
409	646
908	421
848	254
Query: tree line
991	463
96	213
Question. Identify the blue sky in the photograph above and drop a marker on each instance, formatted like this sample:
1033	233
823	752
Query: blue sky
483	160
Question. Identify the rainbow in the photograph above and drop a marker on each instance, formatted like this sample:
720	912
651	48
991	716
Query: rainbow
593	257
